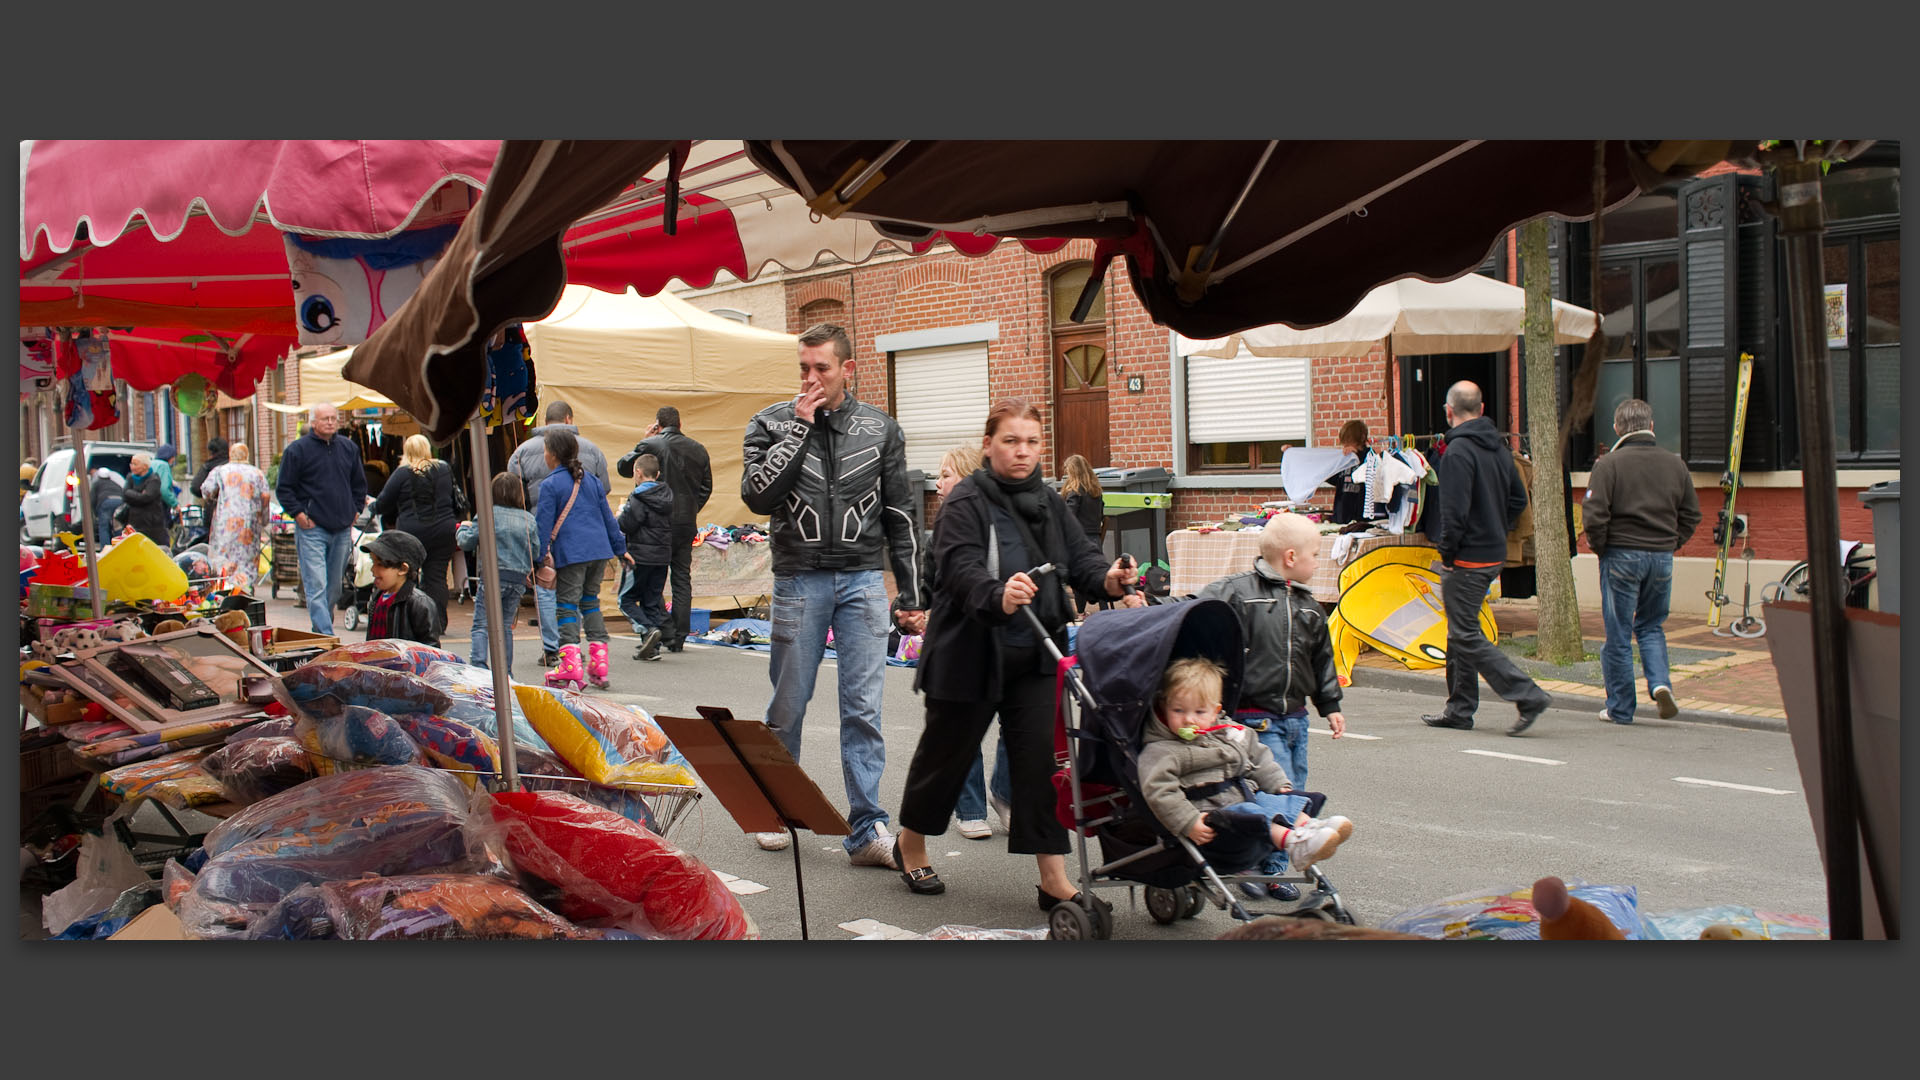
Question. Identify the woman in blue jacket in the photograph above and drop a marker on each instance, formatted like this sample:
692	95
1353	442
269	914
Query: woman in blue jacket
586	537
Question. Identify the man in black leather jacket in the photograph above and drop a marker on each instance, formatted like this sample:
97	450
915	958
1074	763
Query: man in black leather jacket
688	473
831	474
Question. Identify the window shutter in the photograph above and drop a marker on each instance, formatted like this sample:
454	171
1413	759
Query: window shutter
940	400
1709	310
1248	399
1759	328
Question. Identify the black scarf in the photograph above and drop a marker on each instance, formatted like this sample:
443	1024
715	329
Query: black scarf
1030	503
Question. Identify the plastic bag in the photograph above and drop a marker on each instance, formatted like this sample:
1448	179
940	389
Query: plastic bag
279	727
974	933
451	744
301	915
608	743
324	688
107	923
195	788
389	653
356	736
437	906
610	871
392	820
1767	925
175	880
471	689
1510	915
137	781
254	769
106	869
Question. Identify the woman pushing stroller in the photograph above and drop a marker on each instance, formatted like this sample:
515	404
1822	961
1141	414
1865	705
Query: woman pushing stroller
980	659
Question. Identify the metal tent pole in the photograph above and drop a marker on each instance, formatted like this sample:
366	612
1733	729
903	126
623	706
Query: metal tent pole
1801	225
489	570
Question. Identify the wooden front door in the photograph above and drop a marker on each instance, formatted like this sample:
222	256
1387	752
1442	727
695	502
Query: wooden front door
1080	387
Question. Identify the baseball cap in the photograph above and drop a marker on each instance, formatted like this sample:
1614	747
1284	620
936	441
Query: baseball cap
396	546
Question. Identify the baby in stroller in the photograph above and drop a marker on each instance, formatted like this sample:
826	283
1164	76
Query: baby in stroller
1216	783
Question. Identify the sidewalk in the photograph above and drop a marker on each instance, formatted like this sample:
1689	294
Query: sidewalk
1717	679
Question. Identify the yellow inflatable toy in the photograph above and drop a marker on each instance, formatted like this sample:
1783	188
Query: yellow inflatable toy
1390	600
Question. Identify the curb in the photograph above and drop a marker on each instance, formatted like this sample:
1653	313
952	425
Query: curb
1423	683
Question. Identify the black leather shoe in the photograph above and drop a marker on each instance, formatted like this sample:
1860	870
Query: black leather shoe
1442	721
922	881
1048	902
1526	720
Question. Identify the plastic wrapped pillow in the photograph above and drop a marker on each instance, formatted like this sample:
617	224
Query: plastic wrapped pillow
393	820
610	744
357	736
437	906
301	915
471	690
136	781
392	654
187	790
322	688
278	727
610	871
1510	915
255	769
450	744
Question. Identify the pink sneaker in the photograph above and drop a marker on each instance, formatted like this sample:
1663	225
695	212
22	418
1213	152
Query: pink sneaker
597	665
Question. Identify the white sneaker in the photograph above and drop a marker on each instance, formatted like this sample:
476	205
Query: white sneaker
974	829
1002	812
1663	696
1317	840
877	851
772	841
1607	716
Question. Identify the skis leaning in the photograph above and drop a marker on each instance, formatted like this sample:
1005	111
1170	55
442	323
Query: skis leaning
1724	529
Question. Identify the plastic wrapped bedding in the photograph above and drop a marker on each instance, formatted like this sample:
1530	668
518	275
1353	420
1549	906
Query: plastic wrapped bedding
452	744
608	743
393	820
254	769
324	688
355	736
392	654
471	691
139	780
437	906
609	871
1509	915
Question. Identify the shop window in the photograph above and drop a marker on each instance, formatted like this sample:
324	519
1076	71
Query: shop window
1862	280
1640	319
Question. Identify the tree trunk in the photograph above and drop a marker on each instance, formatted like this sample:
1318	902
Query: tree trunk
1559	641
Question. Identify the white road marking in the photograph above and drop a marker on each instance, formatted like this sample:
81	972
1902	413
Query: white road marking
1348	735
1515	757
1735	787
872	928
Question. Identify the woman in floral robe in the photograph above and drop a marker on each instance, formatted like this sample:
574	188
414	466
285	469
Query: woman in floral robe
241	499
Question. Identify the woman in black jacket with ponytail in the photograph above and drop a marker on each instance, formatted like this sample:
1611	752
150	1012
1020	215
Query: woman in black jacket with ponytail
981	656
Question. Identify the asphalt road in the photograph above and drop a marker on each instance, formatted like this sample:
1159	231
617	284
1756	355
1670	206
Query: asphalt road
1437	812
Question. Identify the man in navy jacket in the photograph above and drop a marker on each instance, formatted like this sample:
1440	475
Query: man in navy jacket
323	486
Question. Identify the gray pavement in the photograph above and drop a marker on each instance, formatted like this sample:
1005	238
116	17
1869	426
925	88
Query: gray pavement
1438	812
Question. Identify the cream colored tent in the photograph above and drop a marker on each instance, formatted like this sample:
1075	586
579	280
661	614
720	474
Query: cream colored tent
320	380
617	358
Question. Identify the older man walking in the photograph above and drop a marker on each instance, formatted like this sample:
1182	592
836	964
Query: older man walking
323	486
1481	497
529	463
1640	508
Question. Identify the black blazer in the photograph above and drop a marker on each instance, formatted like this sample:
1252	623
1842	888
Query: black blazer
1090	511
960	660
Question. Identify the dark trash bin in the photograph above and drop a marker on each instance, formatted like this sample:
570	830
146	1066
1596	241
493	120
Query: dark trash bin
1136	503
1884	500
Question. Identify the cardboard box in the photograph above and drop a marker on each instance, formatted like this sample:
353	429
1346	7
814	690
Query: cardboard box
154	924
281	639
60	602
69	711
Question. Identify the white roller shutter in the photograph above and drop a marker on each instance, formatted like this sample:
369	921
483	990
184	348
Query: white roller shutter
940	399
1248	398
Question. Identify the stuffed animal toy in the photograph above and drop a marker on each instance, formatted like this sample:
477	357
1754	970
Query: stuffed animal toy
1727	932
1565	917
168	626
77	639
228	621
126	630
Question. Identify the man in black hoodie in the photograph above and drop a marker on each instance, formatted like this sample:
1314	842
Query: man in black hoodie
1481	497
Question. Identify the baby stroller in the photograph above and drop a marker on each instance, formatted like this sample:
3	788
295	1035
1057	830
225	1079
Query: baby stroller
1122	653
356	587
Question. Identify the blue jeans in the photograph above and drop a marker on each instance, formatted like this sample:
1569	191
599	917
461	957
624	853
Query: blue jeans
1286	737
510	595
1635	587
1236	849
543	602
854	604
973	797
323	562
642	599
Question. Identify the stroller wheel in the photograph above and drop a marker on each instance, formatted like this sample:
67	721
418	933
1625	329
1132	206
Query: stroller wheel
1069	922
1166	905
1340	912
353	618
1196	902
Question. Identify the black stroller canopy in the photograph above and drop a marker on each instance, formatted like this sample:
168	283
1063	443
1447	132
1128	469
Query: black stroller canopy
1123	653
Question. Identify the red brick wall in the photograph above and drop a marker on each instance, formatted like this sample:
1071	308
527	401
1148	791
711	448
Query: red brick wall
1776	521
1349	388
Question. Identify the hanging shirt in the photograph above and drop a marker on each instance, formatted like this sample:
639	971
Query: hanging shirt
1304	468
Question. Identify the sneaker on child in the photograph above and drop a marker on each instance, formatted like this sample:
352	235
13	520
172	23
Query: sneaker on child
1316	840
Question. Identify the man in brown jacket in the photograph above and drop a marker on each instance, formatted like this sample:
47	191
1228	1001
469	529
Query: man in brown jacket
1640	508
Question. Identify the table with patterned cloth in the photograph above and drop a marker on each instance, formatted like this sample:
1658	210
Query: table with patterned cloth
1199	559
740	574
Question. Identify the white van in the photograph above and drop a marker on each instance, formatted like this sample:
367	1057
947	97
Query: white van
53	505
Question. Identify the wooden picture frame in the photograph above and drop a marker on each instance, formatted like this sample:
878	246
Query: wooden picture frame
220	663
95	689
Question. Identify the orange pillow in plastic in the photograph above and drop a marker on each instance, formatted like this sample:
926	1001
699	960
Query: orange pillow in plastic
610	744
